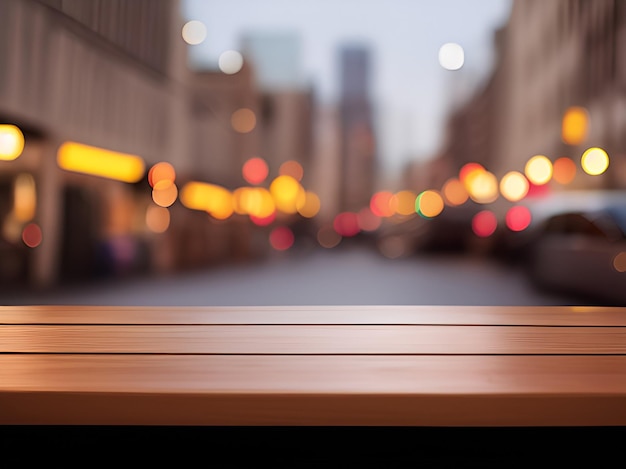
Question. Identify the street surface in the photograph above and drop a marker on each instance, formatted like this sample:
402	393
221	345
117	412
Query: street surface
350	274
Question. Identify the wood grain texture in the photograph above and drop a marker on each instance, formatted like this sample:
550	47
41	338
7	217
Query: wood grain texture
292	366
415	315
320	390
313	339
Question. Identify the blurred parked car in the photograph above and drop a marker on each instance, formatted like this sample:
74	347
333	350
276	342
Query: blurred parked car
582	253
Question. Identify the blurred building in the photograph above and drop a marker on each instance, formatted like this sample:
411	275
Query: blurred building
551	56
286	99
113	76
358	137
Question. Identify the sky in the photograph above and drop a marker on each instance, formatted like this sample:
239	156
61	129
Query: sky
410	91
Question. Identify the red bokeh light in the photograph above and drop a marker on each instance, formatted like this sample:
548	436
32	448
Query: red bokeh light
31	235
281	238
255	170
381	204
518	218
484	223
263	221
347	224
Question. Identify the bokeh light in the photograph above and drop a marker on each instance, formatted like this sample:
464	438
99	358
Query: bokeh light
564	170
393	247
11	142
162	171
594	161
310	206
243	120
31	235
256	201
164	193
281	238
86	159
368	221
194	32
346	224
518	218
263	221
287	193
327	237
619	262
514	186
454	192
157	219
24	198
482	186
575	125
255	170
429	204
291	168
405	202
382	204
214	199
230	62
538	170
484	223
469	168
451	56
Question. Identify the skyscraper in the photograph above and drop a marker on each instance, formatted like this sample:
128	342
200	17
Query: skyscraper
357	130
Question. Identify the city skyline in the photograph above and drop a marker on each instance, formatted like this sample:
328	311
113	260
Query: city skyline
411	92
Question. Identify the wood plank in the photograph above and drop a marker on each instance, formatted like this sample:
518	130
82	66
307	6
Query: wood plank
437	314
308	339
313	390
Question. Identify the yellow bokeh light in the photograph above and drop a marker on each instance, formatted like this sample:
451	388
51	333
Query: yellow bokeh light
287	193
24	198
594	161
243	120
405	204
255	201
429	204
157	219
11	142
538	170
214	199
514	186
482	187
310	206
100	162
575	125
454	192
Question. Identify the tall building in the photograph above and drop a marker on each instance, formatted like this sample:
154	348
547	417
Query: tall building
286	106
358	147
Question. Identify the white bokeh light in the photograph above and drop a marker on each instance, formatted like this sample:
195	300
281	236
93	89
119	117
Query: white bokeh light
230	62
451	56
194	32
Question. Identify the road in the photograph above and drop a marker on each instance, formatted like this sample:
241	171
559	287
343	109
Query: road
341	276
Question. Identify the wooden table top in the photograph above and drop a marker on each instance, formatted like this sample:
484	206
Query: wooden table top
317	365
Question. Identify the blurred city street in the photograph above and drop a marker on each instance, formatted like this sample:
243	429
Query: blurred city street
351	275
178	151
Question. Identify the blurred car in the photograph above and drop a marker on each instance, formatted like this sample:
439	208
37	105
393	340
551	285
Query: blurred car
582	253
448	232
